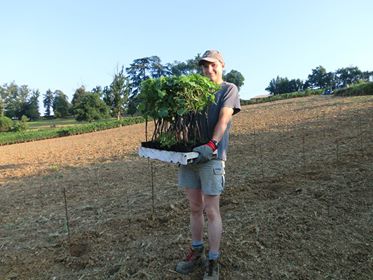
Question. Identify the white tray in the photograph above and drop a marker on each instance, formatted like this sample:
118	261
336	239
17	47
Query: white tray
168	156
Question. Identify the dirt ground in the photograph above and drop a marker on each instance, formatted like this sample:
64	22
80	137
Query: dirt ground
297	202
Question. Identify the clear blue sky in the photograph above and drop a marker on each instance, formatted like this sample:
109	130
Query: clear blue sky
64	44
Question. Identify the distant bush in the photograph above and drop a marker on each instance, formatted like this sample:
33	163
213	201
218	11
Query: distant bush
356	90
5	124
21	125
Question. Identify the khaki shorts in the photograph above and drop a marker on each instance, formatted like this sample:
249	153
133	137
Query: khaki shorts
209	176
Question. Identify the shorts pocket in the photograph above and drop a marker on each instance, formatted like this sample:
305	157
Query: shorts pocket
218	171
219	176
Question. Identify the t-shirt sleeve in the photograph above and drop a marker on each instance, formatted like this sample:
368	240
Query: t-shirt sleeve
231	99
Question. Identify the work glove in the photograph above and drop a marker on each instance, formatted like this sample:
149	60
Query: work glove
205	152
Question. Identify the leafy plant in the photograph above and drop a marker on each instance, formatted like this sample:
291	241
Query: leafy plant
5	124
21	125
167	139
177	104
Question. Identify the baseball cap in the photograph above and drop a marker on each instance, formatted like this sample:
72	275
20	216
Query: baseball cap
211	56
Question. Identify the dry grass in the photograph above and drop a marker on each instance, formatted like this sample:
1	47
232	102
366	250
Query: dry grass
297	205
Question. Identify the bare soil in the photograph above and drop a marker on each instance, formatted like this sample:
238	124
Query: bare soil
298	202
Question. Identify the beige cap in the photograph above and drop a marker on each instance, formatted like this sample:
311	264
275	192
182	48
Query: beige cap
211	56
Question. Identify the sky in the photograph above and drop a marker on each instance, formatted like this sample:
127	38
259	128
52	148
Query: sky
64	44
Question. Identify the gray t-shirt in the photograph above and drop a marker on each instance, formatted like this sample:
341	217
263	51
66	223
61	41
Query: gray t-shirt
227	96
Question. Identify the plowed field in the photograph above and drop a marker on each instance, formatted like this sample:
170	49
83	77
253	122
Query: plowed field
298	201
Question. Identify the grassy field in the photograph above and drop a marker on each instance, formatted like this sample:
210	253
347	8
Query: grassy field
47	129
53	123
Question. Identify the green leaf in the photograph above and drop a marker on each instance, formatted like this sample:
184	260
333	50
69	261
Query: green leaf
163	112
161	93
181	111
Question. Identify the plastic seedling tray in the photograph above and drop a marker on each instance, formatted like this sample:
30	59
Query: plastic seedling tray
168	156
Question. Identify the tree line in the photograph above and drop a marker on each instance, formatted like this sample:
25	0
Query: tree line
114	100
320	79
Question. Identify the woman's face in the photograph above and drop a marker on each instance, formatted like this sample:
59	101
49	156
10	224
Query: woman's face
213	70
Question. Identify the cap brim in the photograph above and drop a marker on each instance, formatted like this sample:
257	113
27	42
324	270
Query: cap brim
209	59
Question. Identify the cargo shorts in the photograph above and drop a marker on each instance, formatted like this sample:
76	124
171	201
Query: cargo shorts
208	176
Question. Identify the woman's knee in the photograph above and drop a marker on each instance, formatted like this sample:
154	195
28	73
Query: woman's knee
212	212
196	208
196	202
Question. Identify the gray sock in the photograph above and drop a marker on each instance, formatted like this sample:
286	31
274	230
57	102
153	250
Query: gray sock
197	244
213	255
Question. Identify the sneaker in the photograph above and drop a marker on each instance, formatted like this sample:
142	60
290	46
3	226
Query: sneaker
194	259
212	270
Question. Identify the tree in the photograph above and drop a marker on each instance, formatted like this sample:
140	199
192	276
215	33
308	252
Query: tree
347	76
193	65
90	108
295	85
107	96
132	105
61	105
5	124
142	69
177	68
98	90
366	75
15	100
184	68
79	93
274	86
284	85
157	70
119	91
48	102
31	108
320	78
2	107
235	77
2	101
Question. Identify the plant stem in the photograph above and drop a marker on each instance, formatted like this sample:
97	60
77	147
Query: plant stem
67	218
